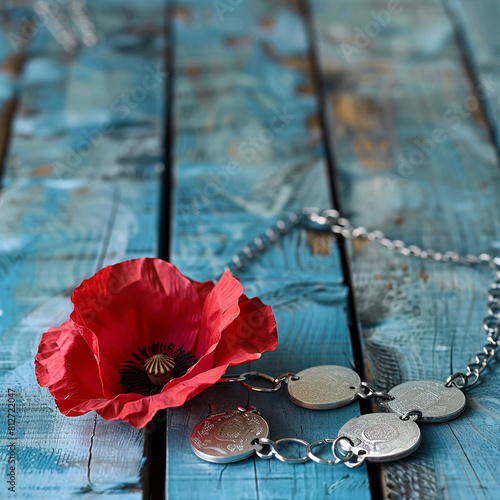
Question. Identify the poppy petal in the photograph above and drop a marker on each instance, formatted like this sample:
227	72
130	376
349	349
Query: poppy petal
250	334
219	310
138	410
203	289
131	305
66	365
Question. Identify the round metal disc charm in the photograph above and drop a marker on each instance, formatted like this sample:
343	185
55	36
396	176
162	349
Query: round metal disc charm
437	402
383	436
324	387
226	437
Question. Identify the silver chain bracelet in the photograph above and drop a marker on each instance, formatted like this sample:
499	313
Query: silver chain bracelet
377	437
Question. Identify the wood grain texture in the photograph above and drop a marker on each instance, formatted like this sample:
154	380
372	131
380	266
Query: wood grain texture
415	161
11	62
247	148
81	192
476	22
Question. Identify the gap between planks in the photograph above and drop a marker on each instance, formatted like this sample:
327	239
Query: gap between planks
374	470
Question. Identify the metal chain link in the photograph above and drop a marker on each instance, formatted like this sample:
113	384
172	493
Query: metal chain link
343	451
366	390
480	360
276	383
341	226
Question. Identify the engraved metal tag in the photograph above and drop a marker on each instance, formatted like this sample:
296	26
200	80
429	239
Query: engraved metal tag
324	387
225	437
437	402
382	437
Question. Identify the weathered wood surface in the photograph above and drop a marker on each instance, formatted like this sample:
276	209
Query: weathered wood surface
477	23
77	196
236	71
416	161
11	61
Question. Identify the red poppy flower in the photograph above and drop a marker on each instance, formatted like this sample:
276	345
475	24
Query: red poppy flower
143	337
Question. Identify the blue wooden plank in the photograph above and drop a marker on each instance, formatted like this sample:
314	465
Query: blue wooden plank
236	73
415	161
11	61
62	220
476	24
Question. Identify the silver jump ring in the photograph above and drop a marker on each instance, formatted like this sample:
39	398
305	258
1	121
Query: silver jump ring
412	413
341	453
317	459
347	454
284	379
360	460
259	444
368	391
299	460
459	380
268	378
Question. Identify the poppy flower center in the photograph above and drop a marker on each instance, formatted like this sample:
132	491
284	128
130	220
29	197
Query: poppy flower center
153	366
160	369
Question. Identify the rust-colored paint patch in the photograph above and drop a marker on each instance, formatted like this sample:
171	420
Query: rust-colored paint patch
313	122
182	12
301	63
319	242
43	171
361	119
233	150
369	151
424	276
478	115
358	112
267	22
13	64
193	71
359	244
